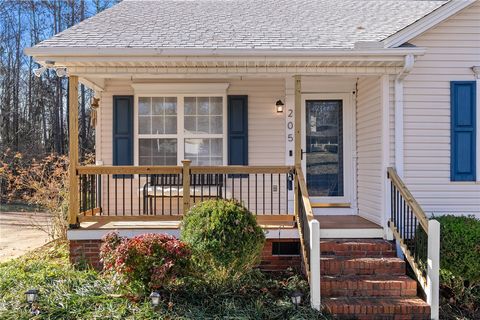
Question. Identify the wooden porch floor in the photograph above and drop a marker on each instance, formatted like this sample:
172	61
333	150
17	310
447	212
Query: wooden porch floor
345	222
265	221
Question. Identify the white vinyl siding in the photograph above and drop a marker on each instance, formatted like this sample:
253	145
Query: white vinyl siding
266	127
369	149
453	47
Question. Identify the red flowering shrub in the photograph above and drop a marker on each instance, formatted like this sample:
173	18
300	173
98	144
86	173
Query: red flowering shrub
149	259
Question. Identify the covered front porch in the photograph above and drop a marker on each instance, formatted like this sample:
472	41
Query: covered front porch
173	131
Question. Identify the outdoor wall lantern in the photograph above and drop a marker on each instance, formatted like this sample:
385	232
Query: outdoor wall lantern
279	106
155	298
296	297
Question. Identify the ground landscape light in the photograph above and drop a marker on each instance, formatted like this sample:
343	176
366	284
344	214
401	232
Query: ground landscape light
31	295
155	298
279	106
296	297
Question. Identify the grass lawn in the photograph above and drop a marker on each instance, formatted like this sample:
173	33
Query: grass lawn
68	293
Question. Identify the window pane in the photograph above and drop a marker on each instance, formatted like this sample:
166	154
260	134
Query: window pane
170	124
157	106
145	147
145	161
204	151
192	147
158	151
144	125
216	106
152	111
170	106
170	161
216	147
158	125
202	124
190	106
203	105
216	125
216	161
144	106
190	124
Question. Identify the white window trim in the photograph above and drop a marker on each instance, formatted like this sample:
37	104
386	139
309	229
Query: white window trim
180	91
476	73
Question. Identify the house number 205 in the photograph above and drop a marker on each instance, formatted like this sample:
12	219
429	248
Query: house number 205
290	124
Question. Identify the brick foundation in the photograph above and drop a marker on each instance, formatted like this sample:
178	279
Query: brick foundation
87	252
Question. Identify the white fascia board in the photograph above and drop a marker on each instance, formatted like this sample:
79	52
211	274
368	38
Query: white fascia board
427	22
183	88
40	52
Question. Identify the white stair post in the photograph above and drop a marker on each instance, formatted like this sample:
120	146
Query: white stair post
315	264
433	271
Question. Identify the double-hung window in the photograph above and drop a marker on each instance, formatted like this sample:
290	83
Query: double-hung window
173	127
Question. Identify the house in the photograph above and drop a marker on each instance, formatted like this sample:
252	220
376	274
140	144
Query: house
328	119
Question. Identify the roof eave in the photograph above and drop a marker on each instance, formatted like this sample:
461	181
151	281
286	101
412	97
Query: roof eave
44	53
427	22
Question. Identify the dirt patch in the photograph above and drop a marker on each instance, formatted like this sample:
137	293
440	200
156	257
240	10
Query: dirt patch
21	232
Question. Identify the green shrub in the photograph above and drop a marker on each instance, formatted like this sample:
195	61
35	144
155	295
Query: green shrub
149	260
460	260
225	239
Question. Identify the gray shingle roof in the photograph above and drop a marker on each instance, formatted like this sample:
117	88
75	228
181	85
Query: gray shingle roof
243	24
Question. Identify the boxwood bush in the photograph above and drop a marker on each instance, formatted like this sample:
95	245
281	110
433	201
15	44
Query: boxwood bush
224	237
460	261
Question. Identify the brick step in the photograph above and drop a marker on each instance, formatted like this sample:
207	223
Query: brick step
357	248
331	265
384	308
364	286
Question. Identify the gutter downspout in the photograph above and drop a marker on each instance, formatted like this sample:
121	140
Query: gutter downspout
399	134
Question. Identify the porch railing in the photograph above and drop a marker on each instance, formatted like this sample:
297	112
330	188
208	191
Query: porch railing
418	237
309	232
154	191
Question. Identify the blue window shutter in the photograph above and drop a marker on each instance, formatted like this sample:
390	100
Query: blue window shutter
463	130
123	131
238	130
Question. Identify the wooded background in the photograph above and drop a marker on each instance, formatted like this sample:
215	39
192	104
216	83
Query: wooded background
33	110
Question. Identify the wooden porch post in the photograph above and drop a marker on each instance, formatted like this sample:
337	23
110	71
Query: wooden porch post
73	151
298	121
297	138
186	185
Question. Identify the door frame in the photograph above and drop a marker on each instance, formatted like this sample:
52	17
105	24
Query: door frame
345	204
